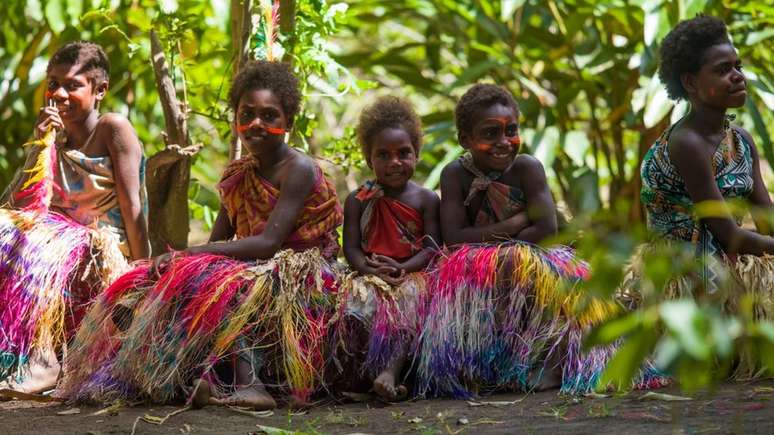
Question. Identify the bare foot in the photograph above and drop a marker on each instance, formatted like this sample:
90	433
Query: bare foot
254	396
384	386
202	395
39	376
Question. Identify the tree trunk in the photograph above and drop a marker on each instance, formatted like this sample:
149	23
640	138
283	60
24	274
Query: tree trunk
169	171
241	34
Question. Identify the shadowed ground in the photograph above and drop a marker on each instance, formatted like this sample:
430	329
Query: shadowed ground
732	408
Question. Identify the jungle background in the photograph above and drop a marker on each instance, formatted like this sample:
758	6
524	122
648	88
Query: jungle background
583	72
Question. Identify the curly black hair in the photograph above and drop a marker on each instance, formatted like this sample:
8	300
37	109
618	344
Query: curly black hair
275	76
388	112
477	98
88	54
682	50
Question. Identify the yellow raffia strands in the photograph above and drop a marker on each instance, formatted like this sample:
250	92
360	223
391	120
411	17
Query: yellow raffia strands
256	300
215	296
40	170
293	270
550	293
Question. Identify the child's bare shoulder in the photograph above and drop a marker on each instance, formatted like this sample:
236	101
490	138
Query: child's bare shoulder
114	122
301	165
352	199
527	162
528	168
452	172
113	126
424	195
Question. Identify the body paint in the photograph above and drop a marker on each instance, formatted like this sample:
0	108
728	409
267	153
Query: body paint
241	128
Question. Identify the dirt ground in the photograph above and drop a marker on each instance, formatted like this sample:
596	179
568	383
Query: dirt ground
743	408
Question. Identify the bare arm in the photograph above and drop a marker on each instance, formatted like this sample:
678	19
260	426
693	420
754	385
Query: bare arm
222	230
540	204
294	189
353	252
690	157
432	238
454	221
760	196
126	154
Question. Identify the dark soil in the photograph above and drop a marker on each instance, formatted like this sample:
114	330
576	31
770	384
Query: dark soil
743	408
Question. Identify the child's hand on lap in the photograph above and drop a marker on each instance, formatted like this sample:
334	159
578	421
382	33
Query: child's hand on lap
386	268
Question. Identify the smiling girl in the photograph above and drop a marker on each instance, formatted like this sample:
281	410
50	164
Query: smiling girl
391	233
83	196
503	312
253	304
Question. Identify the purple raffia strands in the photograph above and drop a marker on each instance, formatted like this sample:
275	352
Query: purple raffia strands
202	311
502	315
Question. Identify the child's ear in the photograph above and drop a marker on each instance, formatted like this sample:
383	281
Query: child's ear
100	90
689	83
464	140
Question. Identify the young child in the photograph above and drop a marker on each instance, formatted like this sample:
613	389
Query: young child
82	199
500	303
214	303
391	233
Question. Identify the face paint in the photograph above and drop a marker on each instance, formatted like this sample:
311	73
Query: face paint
241	128
492	133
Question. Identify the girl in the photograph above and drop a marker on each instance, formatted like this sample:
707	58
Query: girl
83	202
390	233
503	310
214	303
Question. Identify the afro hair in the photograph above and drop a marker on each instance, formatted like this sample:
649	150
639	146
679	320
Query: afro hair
388	112
274	76
89	55
478	98
682	50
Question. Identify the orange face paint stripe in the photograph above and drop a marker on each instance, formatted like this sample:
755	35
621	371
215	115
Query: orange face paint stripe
241	128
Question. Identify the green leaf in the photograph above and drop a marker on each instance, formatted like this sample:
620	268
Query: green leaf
509	7
724	332
55	16
627	361
576	144
612	330
435	176
684	320
74	11
33	10
545	149
473	73
657	107
667	352
756	37
763	132
690	8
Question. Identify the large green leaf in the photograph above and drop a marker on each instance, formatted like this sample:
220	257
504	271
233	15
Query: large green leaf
55	15
685	322
763	133
627	360
613	330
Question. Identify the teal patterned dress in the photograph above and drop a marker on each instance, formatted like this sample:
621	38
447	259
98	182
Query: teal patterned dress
670	208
